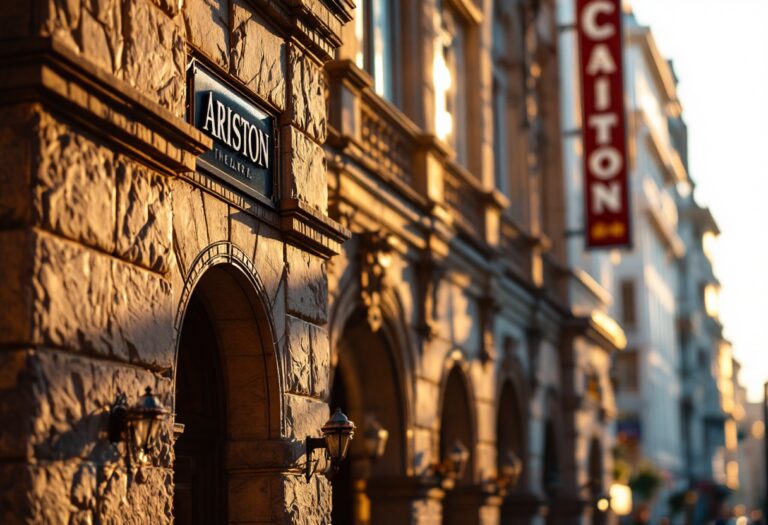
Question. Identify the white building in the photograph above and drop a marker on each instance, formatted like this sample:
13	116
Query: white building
644	280
647	277
701	341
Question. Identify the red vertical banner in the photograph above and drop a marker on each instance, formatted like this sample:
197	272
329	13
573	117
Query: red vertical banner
606	182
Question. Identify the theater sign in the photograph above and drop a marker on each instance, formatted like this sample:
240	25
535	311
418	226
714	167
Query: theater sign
606	184
244	141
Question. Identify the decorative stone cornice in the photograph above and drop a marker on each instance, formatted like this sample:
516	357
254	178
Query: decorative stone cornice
317	25
310	229
347	71
47	71
600	328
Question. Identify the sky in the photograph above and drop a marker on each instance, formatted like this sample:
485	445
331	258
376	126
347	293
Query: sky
720	53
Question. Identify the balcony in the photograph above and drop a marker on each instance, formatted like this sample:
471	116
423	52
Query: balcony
387	140
375	135
465	199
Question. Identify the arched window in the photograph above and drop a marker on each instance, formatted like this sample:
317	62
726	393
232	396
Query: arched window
374	29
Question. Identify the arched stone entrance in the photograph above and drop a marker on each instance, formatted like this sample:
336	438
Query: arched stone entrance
511	436
462	504
227	398
368	384
198	474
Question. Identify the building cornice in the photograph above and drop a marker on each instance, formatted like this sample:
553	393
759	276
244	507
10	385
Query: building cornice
668	158
643	37
46	70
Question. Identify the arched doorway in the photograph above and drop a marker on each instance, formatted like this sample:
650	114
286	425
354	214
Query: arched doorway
509	424
510	438
552	480
227	397
456	425
198	474
368	386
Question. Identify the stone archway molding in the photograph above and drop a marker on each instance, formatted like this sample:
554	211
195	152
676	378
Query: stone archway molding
456	360
225	253
394	330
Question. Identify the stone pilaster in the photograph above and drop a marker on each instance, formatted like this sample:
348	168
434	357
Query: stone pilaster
519	508
471	505
409	500
566	510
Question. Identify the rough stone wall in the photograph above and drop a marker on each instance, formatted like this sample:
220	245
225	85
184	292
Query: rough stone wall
98	240
139	42
93	316
477	299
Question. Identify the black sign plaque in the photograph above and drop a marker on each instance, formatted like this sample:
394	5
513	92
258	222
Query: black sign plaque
244	144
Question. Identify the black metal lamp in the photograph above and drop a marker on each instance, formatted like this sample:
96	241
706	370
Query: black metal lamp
510	469
453	465
338	431
137	425
375	438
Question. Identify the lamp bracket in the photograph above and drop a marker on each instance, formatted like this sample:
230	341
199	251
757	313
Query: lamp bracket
312	444
118	418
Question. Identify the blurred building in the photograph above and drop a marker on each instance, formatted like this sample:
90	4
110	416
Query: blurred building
649	388
701	340
752	475
677	382
457	313
178	182
163	225
732	397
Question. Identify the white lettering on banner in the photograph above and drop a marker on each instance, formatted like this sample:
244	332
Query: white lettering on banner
235	131
589	21
603	130
601	61
605	162
602	94
606	197
603	124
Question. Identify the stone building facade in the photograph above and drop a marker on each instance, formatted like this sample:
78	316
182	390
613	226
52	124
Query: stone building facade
455	311
125	265
426	133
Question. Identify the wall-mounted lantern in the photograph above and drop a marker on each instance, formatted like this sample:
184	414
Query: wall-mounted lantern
138	425
375	439
509	471
337	432
452	468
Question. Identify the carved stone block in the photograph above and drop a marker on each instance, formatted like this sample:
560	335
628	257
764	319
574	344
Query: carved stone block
75	185
307	101
298	355
258	55
305	162
143	216
307	292
155	57
207	23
